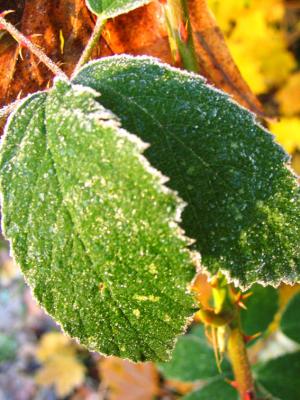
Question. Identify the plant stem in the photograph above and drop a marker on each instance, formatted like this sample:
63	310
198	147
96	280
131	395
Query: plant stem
24	41
180	33
225	303
240	363
87	52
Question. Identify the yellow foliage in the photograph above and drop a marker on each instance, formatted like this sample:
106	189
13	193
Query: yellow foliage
54	343
60	366
64	372
296	163
289	96
257	44
287	132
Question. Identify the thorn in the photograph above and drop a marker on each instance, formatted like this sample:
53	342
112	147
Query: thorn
19	95
241	305
246	296
2	15
20	52
23	44
248	338
5	13
232	383
30	37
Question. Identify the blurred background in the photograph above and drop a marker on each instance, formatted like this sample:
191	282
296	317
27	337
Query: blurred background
36	360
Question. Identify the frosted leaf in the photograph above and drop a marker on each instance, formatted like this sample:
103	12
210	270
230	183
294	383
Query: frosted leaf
243	202
92	226
112	8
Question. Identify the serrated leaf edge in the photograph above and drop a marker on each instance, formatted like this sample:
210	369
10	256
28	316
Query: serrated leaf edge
287	164
160	180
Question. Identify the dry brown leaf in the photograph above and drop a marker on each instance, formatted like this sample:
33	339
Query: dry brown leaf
8	58
216	63
8	48
63	28
129	381
142	31
64	372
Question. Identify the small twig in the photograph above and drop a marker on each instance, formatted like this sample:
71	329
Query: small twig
94	39
25	42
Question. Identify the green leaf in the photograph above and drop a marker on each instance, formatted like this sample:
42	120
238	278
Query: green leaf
112	8
261	309
243	203
192	359
280	376
290	320
217	389
93	227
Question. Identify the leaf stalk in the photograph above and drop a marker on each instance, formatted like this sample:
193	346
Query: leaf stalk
94	39
225	301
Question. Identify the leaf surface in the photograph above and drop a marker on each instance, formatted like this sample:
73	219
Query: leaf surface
290	320
193	359
112	8
261	309
280	376
217	389
93	227
243	202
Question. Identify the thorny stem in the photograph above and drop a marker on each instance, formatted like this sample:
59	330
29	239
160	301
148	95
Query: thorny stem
87	52
225	304
24	41
239	360
180	33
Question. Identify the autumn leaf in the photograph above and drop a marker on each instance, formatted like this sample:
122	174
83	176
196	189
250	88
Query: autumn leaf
61	29
8	57
216	62
288	96
142	31
60	367
54	343
287	132
62	371
128	381
262	66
